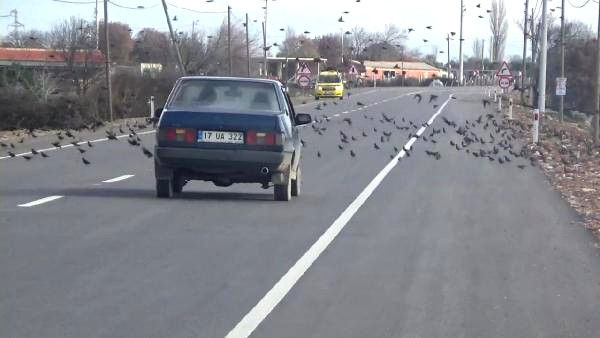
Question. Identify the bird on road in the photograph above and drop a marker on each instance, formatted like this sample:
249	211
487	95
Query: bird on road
111	135
360	104
11	154
86	162
56	144
27	157
43	154
146	152
352	153
33	151
89	144
376	146
433	97
418	97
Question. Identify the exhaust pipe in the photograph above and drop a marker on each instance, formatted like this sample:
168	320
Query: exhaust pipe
264	170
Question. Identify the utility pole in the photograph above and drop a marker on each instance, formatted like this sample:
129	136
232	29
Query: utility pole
247	47
524	65
177	52
264	27
97	26
460	56
448	52
264	31
532	33
543	56
482	54
342	35
107	56
16	24
229	40
561	105
597	116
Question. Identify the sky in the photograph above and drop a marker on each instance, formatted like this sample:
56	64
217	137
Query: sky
317	16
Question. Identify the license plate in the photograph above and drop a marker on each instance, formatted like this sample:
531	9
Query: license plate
220	136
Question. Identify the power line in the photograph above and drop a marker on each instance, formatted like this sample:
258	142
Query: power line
580	6
76	2
127	7
196	11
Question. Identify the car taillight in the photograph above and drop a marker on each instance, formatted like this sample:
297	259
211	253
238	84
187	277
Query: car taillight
187	135
263	138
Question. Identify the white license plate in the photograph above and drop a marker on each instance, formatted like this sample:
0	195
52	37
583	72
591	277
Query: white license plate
220	136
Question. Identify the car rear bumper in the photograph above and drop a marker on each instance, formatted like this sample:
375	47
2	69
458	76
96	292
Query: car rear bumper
323	93
207	164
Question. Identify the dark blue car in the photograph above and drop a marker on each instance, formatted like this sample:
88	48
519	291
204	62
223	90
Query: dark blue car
228	130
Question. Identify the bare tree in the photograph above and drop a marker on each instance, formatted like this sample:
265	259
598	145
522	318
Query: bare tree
499	28
74	40
298	46
151	46
121	44
28	39
477	48
359	42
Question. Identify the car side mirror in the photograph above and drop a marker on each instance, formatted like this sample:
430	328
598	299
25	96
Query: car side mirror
303	119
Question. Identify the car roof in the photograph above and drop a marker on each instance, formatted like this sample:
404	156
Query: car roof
231	78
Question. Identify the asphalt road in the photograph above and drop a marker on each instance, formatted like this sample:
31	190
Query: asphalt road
379	245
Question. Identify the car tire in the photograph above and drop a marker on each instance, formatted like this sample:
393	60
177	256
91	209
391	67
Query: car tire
283	192
297	183
178	183
342	97
164	188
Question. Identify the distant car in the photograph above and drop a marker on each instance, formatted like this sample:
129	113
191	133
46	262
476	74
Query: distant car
329	84
436	83
228	130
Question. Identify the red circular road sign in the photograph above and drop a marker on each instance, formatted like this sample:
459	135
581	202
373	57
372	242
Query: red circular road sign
504	82
303	81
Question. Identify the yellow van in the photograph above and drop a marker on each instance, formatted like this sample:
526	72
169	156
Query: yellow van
329	84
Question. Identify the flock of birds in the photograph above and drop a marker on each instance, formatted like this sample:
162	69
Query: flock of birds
487	137
64	137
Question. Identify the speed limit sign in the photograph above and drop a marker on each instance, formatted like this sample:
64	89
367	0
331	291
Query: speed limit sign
504	82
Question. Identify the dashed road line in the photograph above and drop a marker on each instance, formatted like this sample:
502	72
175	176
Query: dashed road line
118	178
262	309
69	145
40	201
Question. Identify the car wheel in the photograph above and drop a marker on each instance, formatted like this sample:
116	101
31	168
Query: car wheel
297	183
178	183
283	192
164	188
342	97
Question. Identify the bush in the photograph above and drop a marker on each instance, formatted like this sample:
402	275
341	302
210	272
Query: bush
22	108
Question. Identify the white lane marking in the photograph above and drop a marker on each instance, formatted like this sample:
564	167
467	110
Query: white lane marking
262	309
357	109
40	201
420	131
336	115
117	179
69	145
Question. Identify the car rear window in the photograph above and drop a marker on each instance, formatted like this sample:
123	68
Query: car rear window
225	95
329	79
